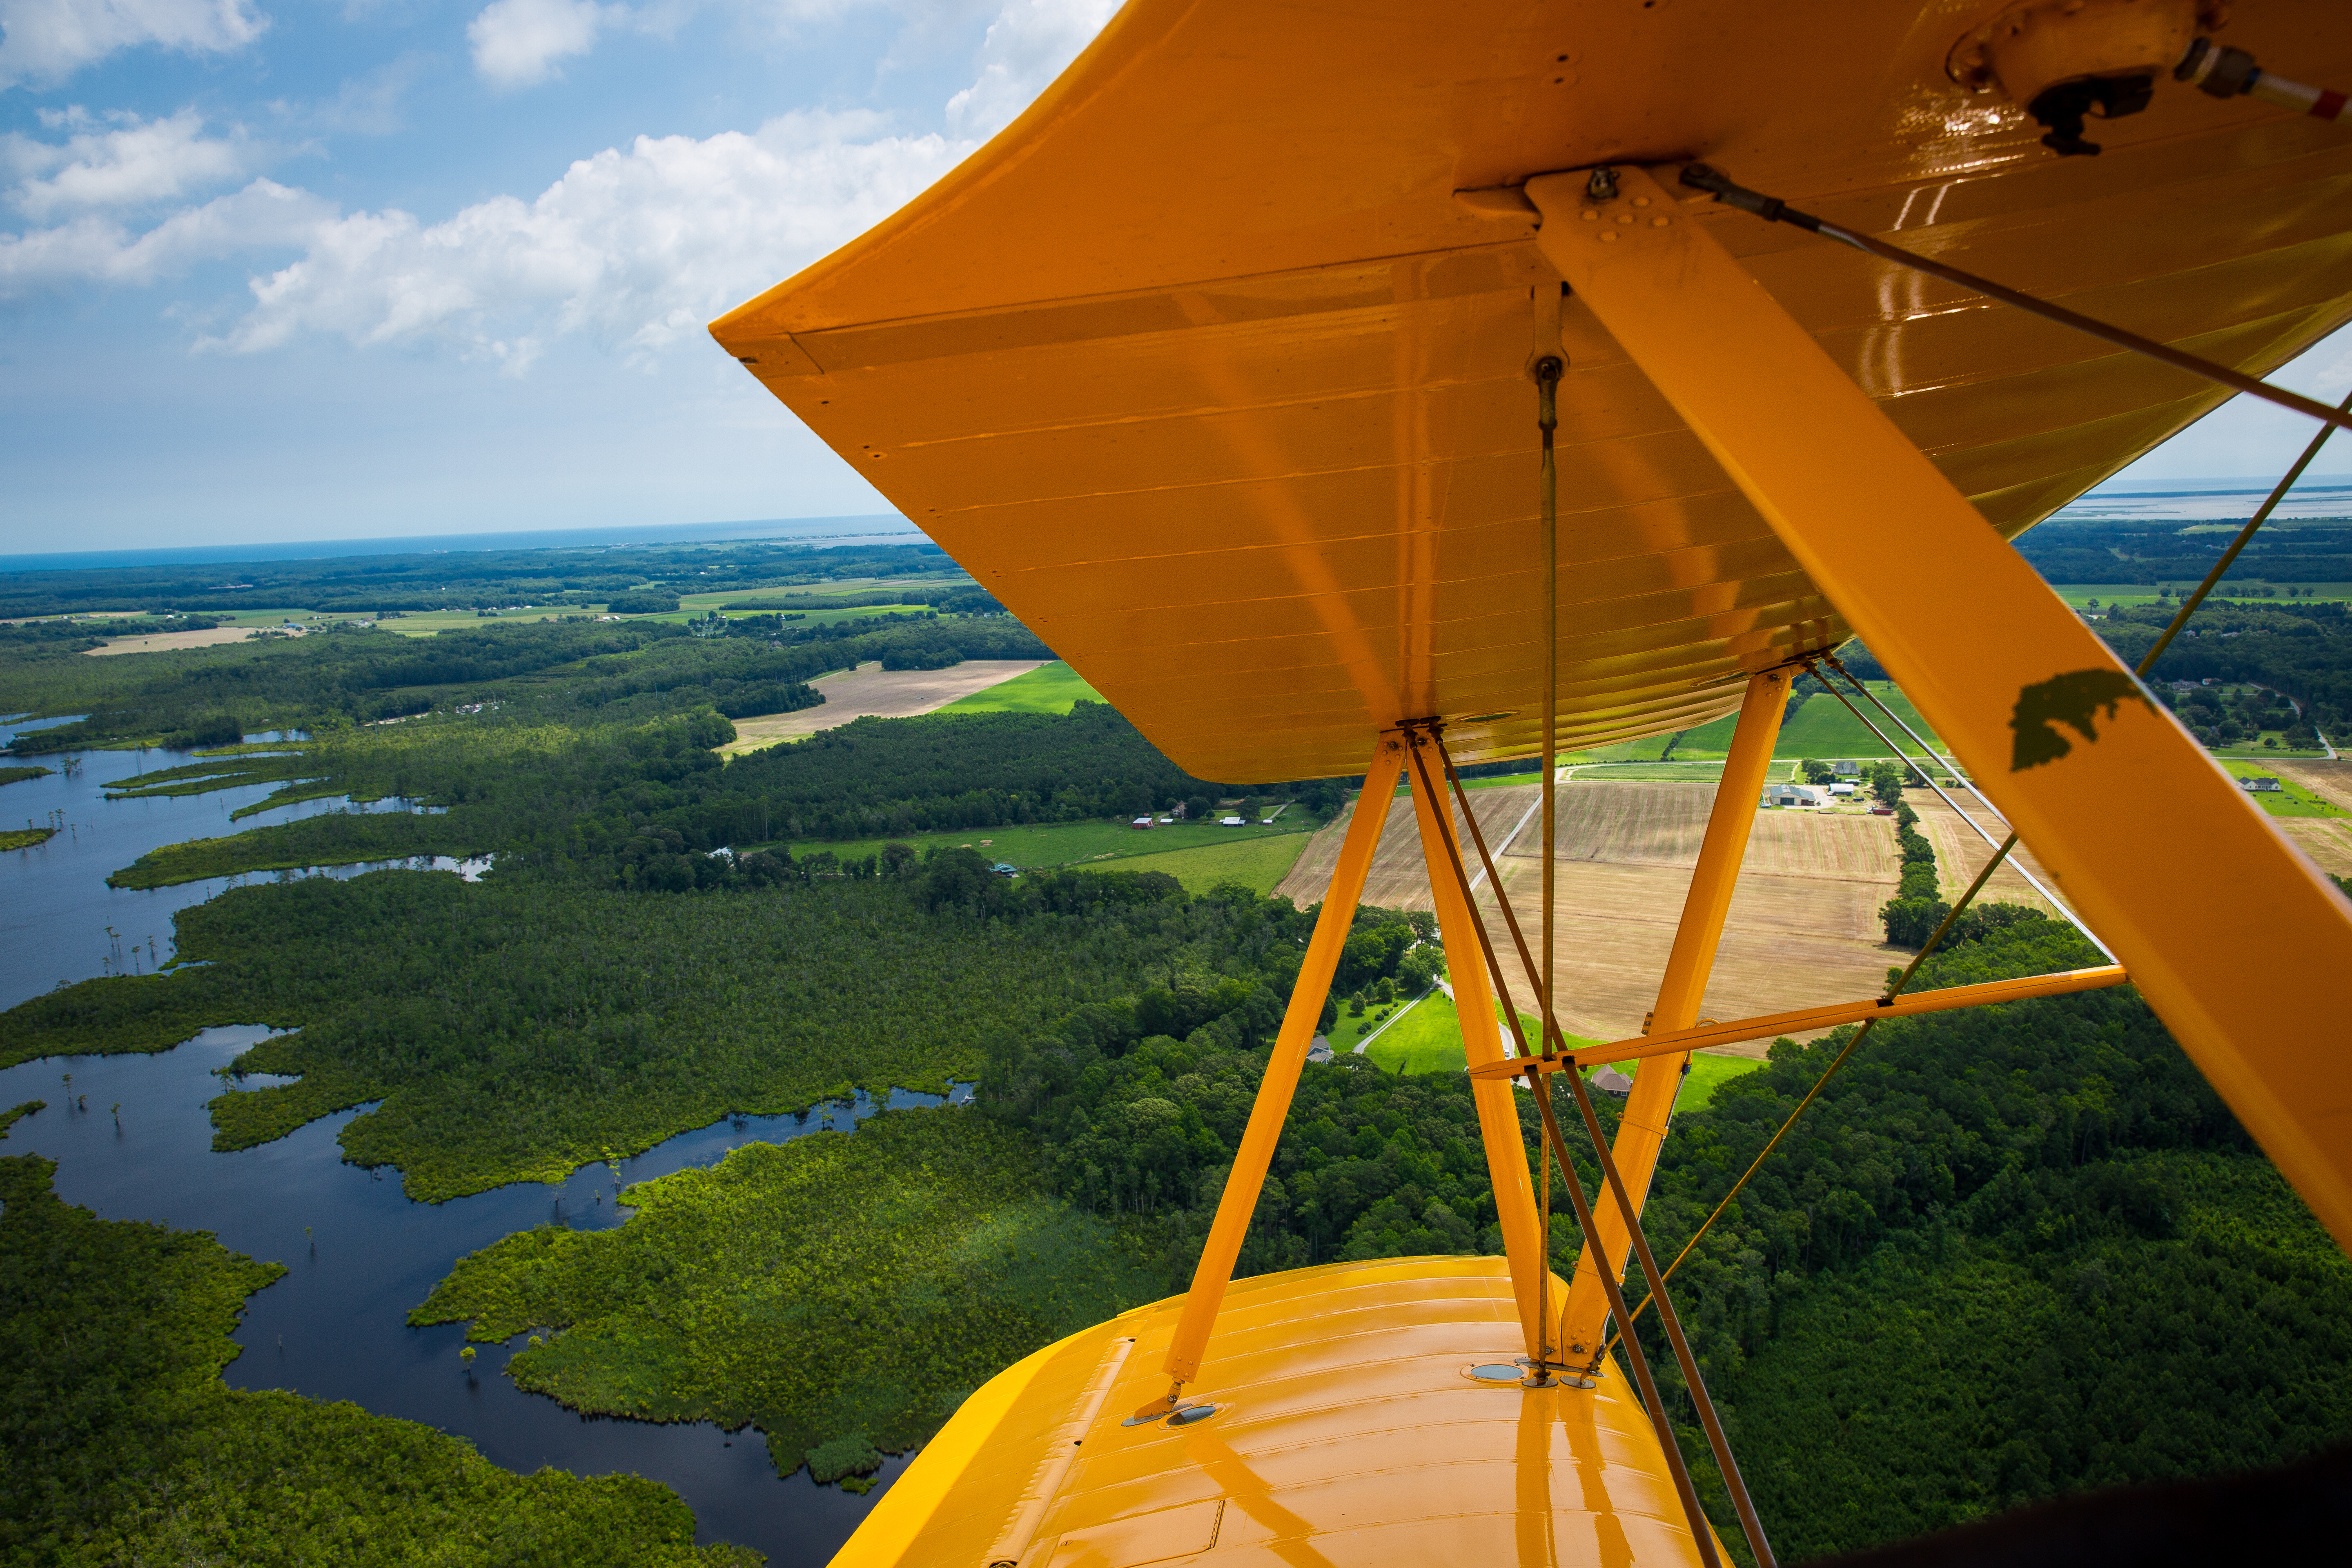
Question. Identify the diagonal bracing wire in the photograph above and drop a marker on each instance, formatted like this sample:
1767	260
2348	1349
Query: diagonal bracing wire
1772	209
2001	849
1684	1487
1751	1524
2147	661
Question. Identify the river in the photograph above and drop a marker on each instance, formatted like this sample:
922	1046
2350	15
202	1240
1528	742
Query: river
359	1255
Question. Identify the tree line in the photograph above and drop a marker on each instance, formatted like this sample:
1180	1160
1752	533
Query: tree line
468	579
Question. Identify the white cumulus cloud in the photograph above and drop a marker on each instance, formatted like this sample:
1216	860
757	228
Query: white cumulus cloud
517	42
634	249
49	40
119	160
93	247
1028	45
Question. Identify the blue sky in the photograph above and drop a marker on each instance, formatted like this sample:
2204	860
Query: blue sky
275	270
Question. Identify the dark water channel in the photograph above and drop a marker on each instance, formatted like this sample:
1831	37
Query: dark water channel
359	1255
59	920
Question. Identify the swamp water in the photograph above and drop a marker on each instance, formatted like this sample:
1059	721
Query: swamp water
59	920
358	1252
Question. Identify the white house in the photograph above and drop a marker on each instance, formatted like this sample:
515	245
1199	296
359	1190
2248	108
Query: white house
2258	787
1846	770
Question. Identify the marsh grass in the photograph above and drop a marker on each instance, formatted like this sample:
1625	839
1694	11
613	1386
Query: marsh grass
841	1292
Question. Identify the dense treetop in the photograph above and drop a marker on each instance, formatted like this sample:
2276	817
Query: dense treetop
124	1445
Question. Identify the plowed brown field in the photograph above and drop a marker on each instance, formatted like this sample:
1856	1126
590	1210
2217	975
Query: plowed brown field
2326	841
1960	854
1804	926
1398	880
2329	781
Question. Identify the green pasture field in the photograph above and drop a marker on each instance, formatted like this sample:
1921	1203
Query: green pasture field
1708	1074
2258	751
1348	1030
1076	843
2080	595
2291	799
1648	749
1428	1038
1822	728
1256	863
431	623
1055	688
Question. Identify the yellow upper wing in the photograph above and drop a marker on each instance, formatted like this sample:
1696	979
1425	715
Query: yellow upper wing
1204	371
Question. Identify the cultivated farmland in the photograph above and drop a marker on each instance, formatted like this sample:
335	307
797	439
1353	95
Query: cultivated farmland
872	691
1804	926
2327	842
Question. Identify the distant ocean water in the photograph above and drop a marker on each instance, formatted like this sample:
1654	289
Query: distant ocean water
822	531
2211	500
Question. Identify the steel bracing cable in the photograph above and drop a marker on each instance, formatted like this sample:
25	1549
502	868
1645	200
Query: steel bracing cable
2188	606
2147	661
1443	809
2261	515
1694	1383
1676	1467
1772	209
1548	370
2001	849
1554	1043
1894	990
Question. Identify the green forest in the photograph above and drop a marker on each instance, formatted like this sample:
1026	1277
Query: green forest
423	579
849	1292
124	1446
2158	552
2011	1252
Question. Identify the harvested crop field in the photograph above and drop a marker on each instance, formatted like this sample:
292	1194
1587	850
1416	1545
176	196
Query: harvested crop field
1960	854
2331	781
2327	842
1399	880
1804	926
166	642
872	691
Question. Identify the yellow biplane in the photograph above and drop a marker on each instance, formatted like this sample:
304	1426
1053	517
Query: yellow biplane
1375	388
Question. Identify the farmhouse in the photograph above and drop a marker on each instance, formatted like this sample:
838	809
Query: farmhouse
1847	770
2258	787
